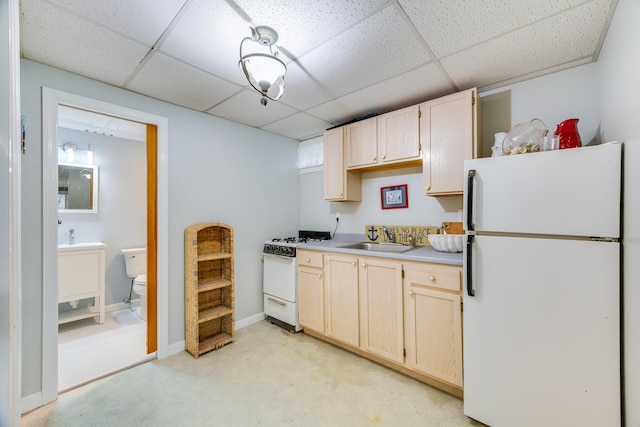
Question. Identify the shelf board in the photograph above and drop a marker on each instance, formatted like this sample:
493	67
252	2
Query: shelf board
210	257
214	342
76	314
214	313
209	285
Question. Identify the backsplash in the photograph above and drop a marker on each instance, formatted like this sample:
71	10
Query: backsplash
401	233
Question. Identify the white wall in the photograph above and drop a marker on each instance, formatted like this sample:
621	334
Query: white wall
552	98
219	171
619	102
122	204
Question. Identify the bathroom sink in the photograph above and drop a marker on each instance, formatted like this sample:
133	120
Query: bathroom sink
379	247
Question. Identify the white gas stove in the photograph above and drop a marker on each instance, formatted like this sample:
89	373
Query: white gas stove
280	284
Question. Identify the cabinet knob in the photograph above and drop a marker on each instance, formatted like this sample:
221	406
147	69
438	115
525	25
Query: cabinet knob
411	293
373	158
340	194
308	260
384	157
428	187
364	265
353	263
432	278
319	276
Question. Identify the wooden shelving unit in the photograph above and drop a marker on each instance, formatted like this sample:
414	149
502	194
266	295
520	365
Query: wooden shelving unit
209	287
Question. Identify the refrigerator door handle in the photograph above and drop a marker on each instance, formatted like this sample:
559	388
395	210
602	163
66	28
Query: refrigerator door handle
470	177
470	291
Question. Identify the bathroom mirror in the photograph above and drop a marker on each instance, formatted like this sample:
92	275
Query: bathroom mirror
77	188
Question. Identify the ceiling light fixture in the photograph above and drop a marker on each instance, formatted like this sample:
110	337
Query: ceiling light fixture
264	71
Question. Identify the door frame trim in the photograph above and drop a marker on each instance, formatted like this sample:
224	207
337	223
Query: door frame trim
51	99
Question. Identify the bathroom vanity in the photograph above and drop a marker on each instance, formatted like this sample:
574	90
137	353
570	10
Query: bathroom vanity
81	274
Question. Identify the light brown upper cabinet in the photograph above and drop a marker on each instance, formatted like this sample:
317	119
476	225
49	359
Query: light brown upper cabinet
388	140
340	184
449	136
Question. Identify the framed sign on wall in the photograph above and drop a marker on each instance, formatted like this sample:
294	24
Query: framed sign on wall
394	197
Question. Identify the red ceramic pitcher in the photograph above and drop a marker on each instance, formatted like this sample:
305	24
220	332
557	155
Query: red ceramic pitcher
568	133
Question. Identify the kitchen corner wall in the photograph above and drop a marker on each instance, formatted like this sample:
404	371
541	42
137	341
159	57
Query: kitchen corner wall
551	98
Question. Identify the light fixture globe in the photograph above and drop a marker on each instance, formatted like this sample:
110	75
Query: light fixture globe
264	71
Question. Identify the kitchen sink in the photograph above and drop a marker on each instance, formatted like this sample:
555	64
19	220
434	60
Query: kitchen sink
379	247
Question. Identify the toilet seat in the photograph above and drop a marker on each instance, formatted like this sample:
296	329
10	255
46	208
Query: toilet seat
140	280
140	288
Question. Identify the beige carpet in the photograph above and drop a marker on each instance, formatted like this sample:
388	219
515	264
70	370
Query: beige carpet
268	377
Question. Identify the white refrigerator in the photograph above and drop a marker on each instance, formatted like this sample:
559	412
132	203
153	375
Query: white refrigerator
542	274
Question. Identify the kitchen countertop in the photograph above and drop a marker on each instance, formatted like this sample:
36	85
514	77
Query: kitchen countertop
419	254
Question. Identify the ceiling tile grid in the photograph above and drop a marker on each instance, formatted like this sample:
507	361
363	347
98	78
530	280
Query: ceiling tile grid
245	107
501	59
449	26
208	36
140	22
306	24
426	82
346	59
365	54
65	41
298	126
171	80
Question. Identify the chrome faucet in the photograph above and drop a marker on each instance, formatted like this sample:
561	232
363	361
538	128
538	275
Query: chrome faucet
390	235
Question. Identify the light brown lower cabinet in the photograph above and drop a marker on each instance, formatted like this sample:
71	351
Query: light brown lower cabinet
433	321
380	285
404	315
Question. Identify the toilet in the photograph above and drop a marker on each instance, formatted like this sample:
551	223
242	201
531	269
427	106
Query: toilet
135	263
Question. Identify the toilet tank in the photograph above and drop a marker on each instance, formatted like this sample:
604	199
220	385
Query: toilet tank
135	261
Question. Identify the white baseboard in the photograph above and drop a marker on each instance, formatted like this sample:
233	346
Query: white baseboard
31	402
248	321
121	306
175	348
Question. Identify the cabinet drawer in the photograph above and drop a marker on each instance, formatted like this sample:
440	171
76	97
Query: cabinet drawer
435	276
309	258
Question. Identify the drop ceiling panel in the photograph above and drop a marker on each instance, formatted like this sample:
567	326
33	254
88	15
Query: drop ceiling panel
298	126
450	26
363	55
303	25
245	107
108	14
556	44
166	78
424	83
345	58
208	36
65	41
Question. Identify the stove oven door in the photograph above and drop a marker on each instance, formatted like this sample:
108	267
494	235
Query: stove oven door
279	278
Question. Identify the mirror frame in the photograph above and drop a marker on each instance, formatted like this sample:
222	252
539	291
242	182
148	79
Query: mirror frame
94	189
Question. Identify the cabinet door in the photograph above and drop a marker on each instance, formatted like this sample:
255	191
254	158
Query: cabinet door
339	184
434	333
381	308
448	132
398	135
311	298
361	143
341	298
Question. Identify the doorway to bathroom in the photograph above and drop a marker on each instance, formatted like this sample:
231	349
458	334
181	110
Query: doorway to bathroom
155	206
108	206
